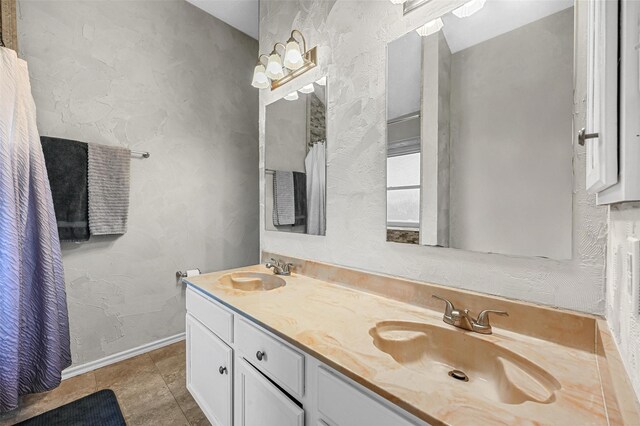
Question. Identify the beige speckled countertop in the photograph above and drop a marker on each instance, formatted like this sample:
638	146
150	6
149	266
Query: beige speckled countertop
332	323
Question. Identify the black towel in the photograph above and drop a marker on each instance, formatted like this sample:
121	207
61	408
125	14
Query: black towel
67	165
300	197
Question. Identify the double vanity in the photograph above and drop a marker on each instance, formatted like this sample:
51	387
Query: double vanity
332	346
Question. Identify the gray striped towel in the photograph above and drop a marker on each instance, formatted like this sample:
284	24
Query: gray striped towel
108	182
284	206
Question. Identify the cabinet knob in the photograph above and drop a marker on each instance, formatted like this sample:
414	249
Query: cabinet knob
260	355
222	370
583	136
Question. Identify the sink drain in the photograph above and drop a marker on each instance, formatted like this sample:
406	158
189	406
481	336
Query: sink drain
459	375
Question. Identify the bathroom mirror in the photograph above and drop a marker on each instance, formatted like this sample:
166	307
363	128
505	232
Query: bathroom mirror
295	165
479	130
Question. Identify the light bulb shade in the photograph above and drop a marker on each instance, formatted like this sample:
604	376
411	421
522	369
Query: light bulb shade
260	79
293	96
322	81
469	8
307	89
397	1
430	27
293	56
274	67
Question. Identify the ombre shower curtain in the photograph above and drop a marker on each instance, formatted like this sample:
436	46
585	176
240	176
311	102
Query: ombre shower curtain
315	167
34	327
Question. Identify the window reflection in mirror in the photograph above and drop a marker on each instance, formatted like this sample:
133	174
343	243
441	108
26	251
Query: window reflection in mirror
479	130
295	165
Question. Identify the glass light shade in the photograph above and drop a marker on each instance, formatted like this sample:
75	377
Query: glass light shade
469	8
322	81
397	1
307	89
293	56
430	27
293	96
274	67
260	79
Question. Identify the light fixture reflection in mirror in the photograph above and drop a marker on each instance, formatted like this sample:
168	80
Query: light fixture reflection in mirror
463	11
411	5
430	27
469	8
307	89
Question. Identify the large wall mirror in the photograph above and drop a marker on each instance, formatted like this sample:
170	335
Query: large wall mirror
295	164
479	130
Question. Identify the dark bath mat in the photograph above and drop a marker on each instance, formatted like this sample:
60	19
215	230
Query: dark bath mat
99	409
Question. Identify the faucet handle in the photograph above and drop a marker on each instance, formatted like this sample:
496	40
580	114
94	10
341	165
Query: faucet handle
483	317
449	308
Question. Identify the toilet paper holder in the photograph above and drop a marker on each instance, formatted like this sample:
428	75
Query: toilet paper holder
189	273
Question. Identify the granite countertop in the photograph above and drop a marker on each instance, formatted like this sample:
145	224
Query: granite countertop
332	323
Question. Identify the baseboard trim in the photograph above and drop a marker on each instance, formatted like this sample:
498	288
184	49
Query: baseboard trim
121	356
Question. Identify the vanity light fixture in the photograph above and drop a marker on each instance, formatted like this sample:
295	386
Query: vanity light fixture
307	89
322	81
430	27
469	8
293	53
260	79
293	96
274	66
397	1
292	61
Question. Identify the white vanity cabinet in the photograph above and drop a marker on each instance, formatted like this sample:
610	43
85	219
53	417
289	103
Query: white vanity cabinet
241	374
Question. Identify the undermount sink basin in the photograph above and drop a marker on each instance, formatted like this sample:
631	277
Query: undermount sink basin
252	281
461	359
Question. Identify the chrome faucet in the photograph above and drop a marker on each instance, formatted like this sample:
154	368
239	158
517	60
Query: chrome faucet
462	318
279	267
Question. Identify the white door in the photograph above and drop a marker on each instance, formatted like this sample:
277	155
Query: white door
209	372
602	95
260	403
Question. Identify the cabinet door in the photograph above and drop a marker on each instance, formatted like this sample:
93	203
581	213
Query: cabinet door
602	94
260	403
209	372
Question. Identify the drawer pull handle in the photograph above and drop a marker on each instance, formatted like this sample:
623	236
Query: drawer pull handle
260	355
222	370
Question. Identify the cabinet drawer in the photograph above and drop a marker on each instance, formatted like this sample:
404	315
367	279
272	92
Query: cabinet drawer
215	317
344	405
260	403
282	364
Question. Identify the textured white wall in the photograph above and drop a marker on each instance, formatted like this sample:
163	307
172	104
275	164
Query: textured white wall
623	312
352	38
167	78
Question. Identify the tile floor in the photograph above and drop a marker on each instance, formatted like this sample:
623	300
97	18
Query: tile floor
151	390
